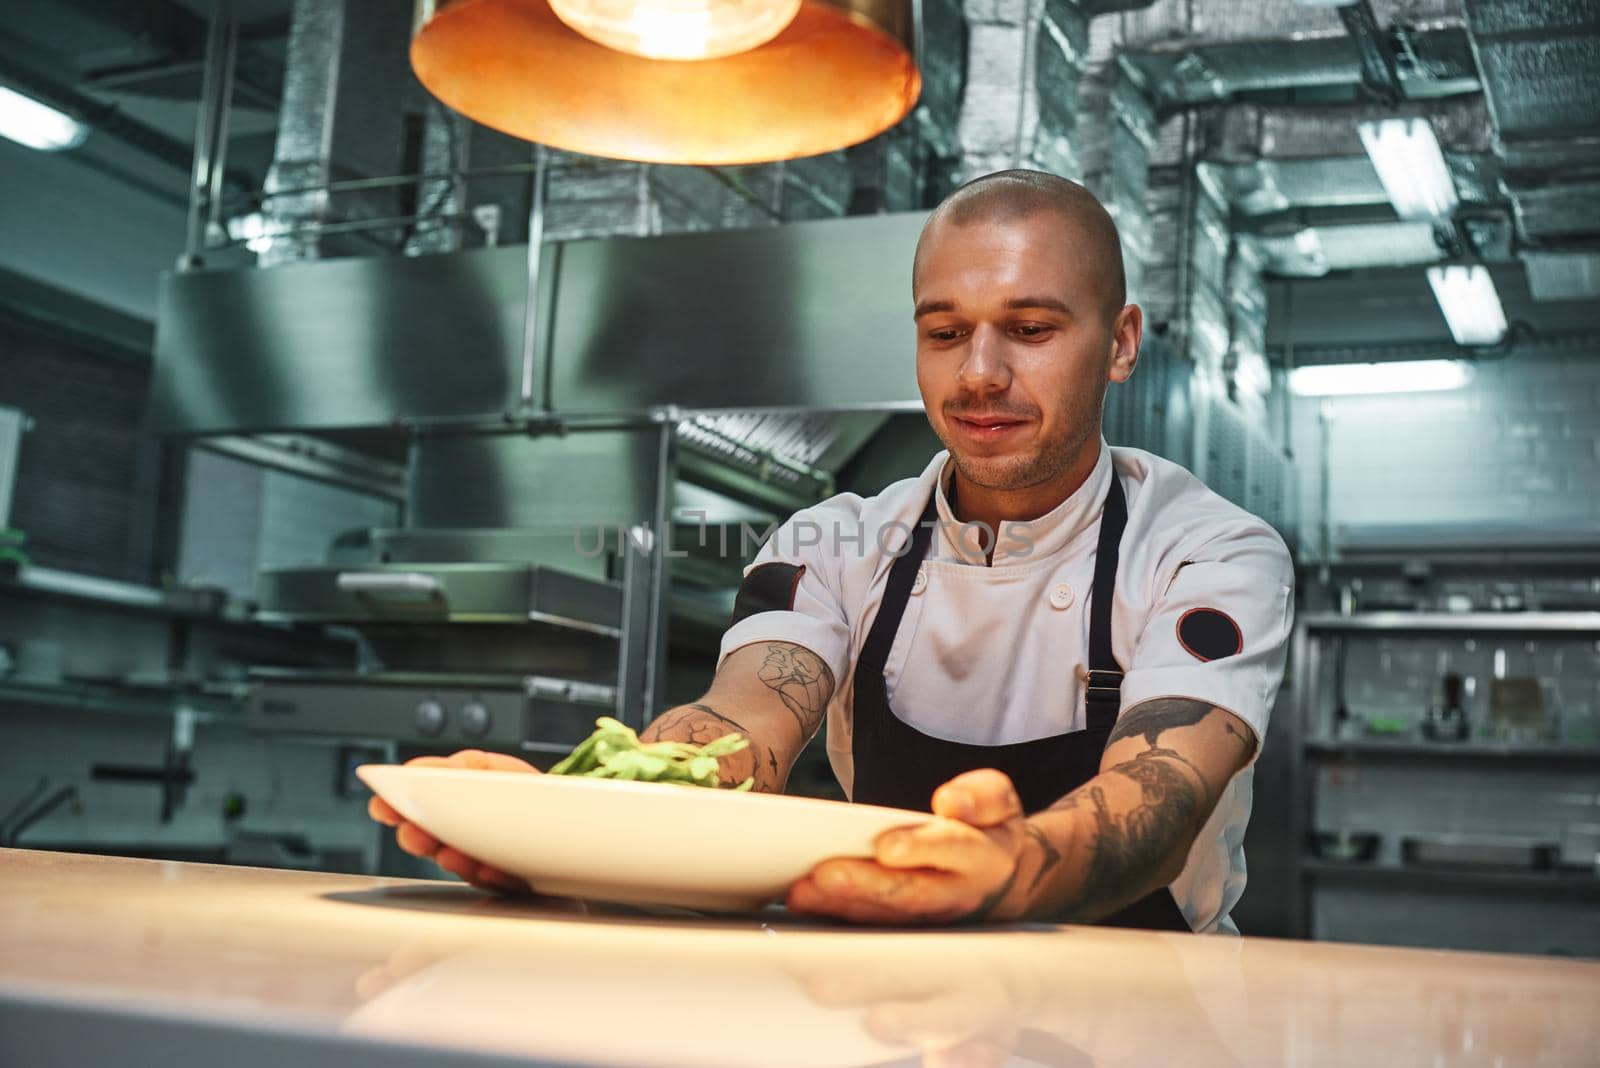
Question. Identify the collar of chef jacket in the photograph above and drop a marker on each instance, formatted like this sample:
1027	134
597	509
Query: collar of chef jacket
1021	542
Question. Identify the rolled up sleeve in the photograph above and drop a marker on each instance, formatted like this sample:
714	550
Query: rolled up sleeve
790	592
1220	632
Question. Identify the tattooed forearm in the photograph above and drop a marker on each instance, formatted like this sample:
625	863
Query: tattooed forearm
1126	849
1128	830
801	680
698	724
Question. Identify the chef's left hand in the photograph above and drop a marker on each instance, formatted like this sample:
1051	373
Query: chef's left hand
961	866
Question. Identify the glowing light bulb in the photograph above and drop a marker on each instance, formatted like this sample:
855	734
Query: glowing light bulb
678	29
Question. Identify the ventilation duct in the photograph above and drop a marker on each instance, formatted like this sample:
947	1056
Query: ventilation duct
1541	74
1315	250
1020	99
340	117
1200	53
1306	188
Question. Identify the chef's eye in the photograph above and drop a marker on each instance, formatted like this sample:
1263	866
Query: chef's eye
944	333
1032	330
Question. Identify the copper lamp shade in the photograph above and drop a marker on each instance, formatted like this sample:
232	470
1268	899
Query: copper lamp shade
840	73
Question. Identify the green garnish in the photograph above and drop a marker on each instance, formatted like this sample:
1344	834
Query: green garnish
614	751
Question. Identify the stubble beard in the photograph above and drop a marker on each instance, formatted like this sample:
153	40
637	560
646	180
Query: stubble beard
1019	472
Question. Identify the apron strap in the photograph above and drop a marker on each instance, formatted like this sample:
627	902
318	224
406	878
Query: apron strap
1103	695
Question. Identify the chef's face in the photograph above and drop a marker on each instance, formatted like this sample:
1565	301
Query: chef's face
1016	341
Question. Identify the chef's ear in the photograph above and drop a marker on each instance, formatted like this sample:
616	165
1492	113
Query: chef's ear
1127	331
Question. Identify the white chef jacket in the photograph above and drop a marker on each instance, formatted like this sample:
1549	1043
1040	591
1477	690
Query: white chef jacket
992	655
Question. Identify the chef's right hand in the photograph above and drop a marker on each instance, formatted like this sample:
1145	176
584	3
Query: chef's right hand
420	843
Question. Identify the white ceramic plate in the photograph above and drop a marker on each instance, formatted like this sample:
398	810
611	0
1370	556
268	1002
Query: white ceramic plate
635	843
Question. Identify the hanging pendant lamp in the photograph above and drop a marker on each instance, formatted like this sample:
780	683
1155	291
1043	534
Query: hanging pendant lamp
620	78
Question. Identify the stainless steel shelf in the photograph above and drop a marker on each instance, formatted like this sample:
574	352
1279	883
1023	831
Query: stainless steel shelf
1407	749
1582	884
1501	622
184	602
218	702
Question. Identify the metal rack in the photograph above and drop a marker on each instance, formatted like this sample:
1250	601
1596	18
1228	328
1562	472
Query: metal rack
1436	622
1312	744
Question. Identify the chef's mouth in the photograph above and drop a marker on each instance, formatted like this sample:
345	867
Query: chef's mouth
987	423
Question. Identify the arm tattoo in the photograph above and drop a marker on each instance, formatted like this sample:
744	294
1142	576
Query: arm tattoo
1150	718
995	896
1129	849
803	682
699	724
1049	855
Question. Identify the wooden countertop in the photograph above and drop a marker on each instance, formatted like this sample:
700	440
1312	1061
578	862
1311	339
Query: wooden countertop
440	969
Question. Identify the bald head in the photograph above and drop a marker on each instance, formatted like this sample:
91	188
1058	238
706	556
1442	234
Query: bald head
1017	195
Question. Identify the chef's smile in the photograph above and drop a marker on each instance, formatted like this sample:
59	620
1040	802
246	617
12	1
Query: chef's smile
990	429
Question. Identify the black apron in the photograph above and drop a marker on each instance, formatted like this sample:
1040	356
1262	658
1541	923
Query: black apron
899	766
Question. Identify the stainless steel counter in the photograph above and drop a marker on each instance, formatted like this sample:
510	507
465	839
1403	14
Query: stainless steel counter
156	961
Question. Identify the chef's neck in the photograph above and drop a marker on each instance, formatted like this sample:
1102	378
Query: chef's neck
972	503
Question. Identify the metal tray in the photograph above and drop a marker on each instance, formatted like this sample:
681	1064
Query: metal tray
1460	852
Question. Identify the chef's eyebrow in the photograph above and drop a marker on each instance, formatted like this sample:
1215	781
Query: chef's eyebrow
932	307
1049	303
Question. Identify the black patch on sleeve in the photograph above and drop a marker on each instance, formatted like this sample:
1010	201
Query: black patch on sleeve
768	588
1209	634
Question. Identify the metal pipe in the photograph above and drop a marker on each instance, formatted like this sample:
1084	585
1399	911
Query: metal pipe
1288	366
355	185
228	33
660	563
1325	521
351	226
465	174
211	133
1186	238
530	313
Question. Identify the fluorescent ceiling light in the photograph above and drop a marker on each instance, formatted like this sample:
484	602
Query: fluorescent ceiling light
28	122
1470	304
1346	379
1412	169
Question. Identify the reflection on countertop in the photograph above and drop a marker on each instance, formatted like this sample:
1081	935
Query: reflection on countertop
440	965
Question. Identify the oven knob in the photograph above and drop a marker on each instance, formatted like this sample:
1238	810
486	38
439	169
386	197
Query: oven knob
429	717
474	719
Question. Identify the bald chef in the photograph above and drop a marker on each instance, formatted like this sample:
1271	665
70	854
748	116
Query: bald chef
1067	650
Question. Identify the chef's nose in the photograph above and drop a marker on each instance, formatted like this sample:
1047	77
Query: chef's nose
985	369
